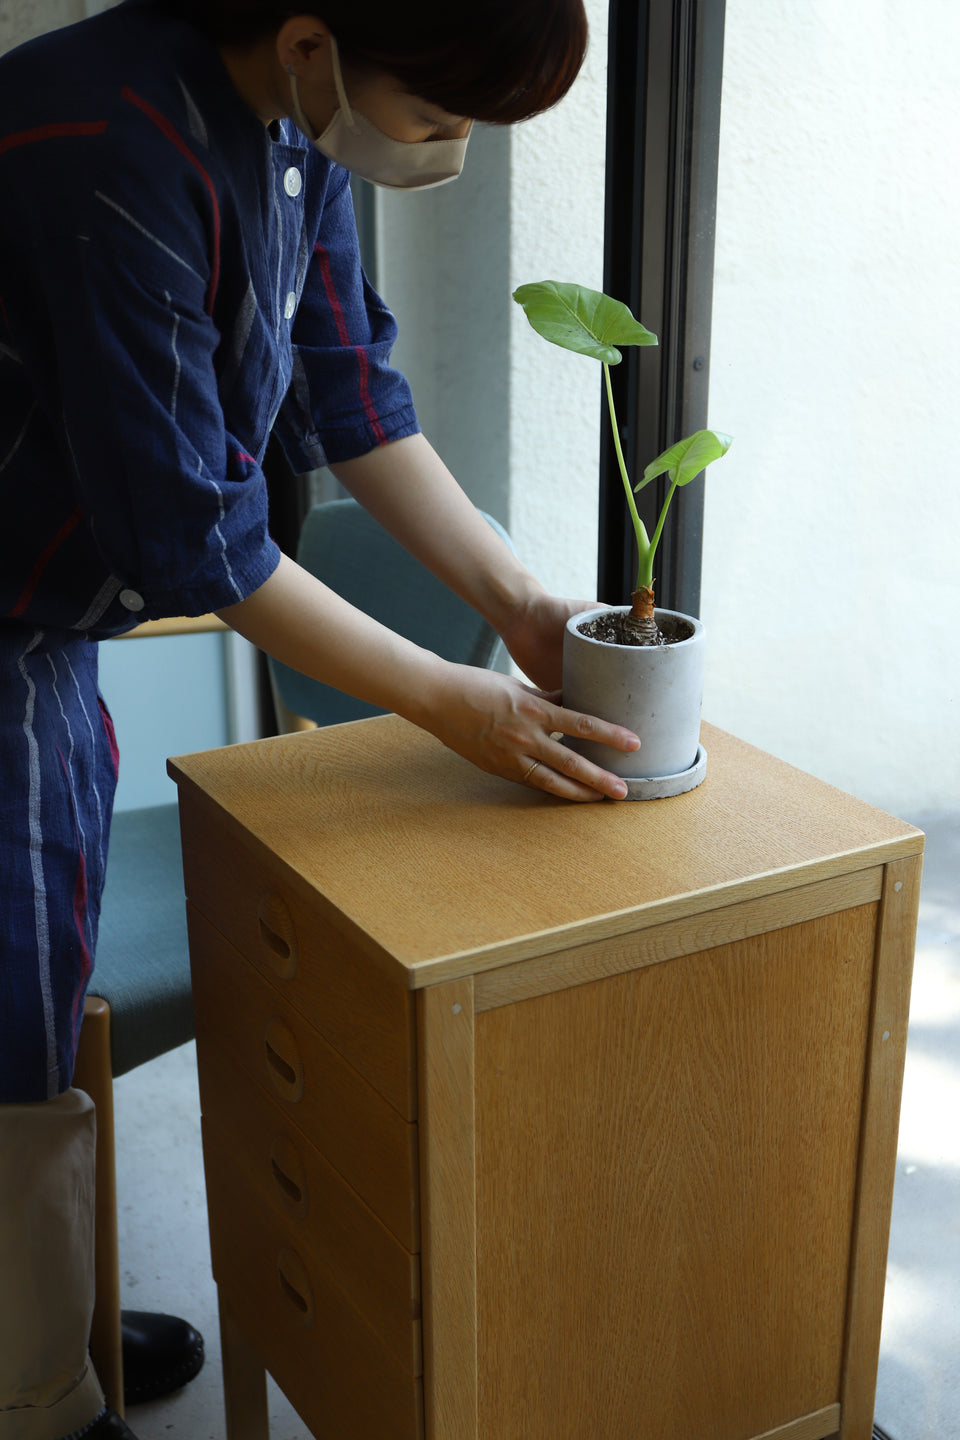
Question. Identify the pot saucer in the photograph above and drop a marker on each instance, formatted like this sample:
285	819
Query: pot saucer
662	787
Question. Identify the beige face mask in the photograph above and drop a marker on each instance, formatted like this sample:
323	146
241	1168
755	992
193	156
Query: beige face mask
358	145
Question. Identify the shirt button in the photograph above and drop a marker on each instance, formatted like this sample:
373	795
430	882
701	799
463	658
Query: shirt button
293	182
130	600
290	309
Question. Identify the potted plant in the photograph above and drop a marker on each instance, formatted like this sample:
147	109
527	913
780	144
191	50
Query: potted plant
636	665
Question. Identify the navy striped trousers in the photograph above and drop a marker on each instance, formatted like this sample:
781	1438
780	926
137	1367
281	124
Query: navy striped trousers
58	772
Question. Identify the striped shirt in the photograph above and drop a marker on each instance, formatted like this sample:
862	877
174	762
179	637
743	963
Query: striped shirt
176	281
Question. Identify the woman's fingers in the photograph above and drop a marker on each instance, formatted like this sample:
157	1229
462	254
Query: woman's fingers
513	730
553	781
585	727
560	770
589	727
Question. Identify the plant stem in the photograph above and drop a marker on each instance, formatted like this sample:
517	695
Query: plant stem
640	530
646	577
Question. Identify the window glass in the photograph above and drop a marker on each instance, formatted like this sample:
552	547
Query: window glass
830	583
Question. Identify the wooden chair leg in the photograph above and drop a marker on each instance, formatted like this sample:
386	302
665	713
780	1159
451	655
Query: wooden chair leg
93	1073
244	1382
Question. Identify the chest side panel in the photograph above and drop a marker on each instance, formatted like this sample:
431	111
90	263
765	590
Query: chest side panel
666	1173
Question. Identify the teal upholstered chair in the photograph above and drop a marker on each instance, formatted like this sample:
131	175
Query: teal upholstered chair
350	552
139	1004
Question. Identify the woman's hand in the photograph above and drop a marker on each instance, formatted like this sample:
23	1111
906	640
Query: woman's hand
534	636
509	729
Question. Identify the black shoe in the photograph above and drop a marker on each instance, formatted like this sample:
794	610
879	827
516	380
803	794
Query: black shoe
160	1353
879	1434
109	1427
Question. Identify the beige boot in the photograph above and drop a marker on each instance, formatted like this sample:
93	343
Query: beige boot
48	1388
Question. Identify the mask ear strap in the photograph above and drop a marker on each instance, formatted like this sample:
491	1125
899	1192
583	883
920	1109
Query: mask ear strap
341	88
298	111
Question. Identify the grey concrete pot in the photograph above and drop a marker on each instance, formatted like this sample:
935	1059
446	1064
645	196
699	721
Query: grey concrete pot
654	690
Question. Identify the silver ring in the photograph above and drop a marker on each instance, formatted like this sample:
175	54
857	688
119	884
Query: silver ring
528	773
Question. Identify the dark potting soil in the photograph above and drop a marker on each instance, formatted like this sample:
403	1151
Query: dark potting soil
609	629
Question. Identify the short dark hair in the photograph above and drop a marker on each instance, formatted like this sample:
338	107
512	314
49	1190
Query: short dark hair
493	60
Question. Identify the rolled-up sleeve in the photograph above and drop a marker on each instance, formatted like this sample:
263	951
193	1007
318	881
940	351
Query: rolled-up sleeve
177	507
345	397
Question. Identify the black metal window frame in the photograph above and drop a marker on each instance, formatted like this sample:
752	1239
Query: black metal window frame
665	64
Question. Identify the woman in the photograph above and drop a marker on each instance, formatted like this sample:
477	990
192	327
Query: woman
179	278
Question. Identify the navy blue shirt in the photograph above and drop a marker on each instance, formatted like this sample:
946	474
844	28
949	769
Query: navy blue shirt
176	280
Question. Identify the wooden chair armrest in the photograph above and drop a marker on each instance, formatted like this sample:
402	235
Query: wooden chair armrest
174	625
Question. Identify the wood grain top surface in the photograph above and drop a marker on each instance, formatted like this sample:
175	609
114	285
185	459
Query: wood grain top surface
448	871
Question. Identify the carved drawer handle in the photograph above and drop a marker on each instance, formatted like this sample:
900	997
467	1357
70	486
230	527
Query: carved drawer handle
295	1285
289	1176
278	935
284	1065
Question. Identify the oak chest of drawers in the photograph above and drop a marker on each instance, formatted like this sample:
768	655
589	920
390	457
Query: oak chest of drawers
533	1121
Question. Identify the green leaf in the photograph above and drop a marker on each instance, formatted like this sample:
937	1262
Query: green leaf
685	460
583	320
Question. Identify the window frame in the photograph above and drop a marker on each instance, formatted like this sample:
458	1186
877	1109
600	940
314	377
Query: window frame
665	64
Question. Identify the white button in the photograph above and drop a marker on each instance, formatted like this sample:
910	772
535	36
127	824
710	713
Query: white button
293	182
290	309
130	600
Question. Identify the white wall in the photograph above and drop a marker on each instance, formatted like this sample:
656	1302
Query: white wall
443	266
21	20
830	587
557	234
516	419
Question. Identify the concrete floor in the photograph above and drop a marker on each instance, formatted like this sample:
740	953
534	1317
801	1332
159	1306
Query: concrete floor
918	1392
165	1258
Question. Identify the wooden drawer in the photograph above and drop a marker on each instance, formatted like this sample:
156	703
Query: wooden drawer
322	1215
289	934
330	1364
243	1019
